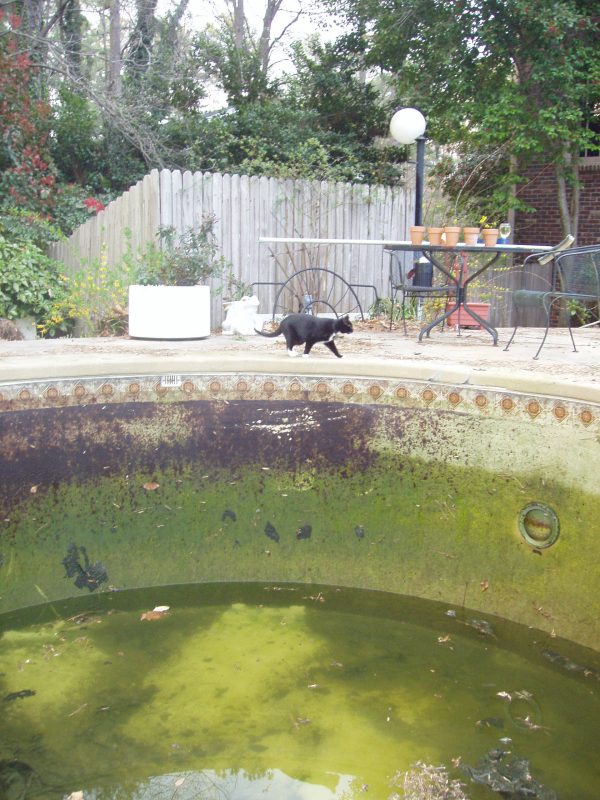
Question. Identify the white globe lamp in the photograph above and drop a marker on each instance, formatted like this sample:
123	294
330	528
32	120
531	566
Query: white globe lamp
407	125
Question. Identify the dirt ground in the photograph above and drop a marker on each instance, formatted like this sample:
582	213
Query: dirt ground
371	339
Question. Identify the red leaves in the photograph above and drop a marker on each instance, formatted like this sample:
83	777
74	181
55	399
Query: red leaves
93	205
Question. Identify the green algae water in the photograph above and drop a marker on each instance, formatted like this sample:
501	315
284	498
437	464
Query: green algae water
287	691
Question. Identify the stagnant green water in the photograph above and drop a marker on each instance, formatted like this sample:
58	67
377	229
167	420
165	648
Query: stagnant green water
282	691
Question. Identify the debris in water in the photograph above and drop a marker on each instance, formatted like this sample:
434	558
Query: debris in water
490	722
528	723
509	777
227	514
301	721
450	612
304	532
481	626
18	695
570	666
89	576
157	613
271	532
316	597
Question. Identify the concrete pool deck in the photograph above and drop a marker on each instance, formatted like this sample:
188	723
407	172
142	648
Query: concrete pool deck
446	357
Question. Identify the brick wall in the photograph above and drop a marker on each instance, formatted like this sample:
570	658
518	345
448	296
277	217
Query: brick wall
539	191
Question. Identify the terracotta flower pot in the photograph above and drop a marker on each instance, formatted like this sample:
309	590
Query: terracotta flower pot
462	319
471	235
435	235
417	234
490	236
452	235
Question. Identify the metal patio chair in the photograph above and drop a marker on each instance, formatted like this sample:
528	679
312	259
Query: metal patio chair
574	283
413	280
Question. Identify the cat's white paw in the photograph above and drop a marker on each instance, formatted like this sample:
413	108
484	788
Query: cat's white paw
291	354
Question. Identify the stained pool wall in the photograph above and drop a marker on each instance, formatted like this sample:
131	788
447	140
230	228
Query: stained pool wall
399	485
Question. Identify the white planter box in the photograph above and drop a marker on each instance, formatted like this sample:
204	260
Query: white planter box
169	312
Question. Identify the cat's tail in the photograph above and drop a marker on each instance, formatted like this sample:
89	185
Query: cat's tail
272	334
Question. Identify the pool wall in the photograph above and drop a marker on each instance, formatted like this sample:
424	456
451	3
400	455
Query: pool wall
398	484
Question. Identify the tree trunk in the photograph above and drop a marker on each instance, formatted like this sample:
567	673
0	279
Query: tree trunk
567	179
142	37
265	43
114	57
71	31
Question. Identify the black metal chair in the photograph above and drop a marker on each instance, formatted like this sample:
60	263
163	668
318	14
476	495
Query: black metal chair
574	283
411	282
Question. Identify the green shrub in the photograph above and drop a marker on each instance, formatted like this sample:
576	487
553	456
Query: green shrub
30	282
183	259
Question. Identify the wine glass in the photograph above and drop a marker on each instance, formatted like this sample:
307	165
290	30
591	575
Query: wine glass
504	230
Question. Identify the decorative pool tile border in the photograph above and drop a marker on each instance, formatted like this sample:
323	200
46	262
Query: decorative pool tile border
461	399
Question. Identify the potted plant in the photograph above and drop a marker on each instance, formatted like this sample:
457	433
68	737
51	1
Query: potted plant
30	284
171	298
488	232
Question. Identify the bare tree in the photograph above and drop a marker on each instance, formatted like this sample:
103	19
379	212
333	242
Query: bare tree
114	55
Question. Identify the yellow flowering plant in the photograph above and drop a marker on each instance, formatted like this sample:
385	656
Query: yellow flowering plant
95	297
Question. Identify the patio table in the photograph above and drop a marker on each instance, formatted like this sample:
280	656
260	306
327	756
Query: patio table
432	254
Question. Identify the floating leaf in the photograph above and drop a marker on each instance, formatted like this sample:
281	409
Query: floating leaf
151	486
485	585
152	615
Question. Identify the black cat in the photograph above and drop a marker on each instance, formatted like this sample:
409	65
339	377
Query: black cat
308	330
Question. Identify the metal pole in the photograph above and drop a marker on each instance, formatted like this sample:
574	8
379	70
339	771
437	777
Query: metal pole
420	179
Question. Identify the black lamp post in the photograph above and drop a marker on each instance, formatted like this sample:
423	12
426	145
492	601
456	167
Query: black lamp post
408	126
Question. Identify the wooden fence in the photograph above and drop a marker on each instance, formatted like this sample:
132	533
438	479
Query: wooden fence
247	208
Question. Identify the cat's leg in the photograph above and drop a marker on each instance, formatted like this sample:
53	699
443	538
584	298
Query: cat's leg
289	340
333	348
307	348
